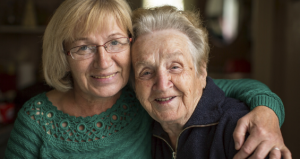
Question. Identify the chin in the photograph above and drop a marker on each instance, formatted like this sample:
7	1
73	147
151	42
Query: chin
167	117
110	91
107	94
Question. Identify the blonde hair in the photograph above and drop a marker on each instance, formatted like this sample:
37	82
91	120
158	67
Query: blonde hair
75	18
168	17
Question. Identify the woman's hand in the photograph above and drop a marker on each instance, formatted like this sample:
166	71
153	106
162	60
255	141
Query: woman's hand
265	135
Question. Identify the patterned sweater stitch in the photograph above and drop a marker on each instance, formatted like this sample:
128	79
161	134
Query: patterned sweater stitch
42	131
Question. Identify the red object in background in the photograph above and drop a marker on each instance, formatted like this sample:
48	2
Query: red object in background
7	82
238	65
7	111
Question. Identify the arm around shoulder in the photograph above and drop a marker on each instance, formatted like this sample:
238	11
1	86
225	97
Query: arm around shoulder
253	93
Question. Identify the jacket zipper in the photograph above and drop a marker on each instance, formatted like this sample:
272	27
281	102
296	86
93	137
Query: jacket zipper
174	153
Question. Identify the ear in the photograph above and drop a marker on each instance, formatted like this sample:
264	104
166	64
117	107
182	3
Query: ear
202	75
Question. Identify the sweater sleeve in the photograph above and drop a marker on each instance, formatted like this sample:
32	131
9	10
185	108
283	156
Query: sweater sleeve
253	93
24	141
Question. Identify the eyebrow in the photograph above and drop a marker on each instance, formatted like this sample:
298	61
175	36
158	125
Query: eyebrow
86	39
80	39
141	63
114	34
169	56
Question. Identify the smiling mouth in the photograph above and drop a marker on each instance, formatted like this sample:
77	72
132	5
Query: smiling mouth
103	77
164	99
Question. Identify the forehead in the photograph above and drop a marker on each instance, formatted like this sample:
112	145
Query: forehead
164	44
107	26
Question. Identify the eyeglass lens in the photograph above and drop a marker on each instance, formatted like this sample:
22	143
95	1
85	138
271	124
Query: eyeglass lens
87	51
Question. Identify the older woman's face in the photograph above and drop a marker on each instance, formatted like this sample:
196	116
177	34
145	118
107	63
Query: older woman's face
165	79
104	74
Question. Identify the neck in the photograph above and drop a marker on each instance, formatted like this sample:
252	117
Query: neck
173	130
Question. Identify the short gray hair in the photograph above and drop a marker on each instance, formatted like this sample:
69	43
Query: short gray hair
168	17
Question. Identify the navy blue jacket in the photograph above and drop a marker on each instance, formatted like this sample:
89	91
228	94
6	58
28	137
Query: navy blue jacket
209	131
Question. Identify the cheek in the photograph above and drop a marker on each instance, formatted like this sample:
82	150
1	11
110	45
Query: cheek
79	68
184	82
123	60
79	73
143	89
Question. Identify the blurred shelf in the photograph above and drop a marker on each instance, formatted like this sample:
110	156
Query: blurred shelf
22	30
5	130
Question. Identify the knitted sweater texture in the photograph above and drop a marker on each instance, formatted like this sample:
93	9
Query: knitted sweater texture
253	93
42	131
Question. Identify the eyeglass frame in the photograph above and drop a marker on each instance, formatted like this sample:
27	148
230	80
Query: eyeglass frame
104	45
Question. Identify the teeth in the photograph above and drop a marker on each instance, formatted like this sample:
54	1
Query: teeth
104	76
164	99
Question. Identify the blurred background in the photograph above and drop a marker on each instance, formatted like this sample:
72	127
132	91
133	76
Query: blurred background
258	39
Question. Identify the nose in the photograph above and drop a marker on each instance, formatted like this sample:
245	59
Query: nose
163	81
102	59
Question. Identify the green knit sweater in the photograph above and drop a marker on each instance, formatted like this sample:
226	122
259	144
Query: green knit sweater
42	131
253	93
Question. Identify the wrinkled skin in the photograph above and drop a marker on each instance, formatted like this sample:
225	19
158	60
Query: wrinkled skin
265	136
161	73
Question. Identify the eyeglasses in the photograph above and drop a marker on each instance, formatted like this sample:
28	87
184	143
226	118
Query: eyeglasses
87	51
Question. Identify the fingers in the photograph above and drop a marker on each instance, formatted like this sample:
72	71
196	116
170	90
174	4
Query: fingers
239	133
265	135
263	150
286	153
275	153
248	148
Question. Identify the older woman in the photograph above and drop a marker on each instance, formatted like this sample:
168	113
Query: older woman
91	113
194	118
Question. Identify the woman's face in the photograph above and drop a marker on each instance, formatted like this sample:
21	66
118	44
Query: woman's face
104	74
165	79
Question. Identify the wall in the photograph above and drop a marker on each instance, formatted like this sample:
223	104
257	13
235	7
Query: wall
291	81
276	59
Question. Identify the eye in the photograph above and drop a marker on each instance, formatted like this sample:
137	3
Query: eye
114	42
146	74
175	67
83	48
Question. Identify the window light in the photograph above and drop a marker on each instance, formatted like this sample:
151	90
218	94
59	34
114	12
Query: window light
153	3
